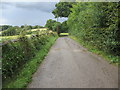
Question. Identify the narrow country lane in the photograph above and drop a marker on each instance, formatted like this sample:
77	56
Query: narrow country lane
69	65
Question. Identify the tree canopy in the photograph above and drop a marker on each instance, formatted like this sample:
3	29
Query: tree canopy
57	26
50	23
62	9
4	27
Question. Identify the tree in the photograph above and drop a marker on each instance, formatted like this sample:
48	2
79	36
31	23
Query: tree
57	27
35	27
50	23
62	9
9	32
4	27
64	27
29	27
22	26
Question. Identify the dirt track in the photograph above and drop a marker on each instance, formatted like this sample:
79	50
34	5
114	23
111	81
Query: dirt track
69	65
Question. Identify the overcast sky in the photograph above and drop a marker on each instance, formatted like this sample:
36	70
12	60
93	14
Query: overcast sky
30	13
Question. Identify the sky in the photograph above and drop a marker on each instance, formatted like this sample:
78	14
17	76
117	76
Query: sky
30	13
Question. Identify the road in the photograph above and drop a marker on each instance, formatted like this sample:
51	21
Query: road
69	65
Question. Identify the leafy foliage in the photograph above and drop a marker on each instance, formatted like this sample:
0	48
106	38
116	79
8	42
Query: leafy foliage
16	54
96	24
62	9
50	23
57	26
64	27
11	31
4	27
31	27
23	77
16	30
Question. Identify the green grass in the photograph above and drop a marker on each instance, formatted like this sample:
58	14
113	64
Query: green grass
5	38
9	37
110	58
39	29
64	34
25	75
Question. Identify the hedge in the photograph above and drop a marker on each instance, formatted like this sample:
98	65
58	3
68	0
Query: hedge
96	24
16	54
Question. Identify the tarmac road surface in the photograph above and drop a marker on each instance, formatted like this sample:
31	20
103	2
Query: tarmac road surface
69	65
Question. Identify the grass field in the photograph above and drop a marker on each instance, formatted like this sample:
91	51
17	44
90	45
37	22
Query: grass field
4	38
40	29
33	31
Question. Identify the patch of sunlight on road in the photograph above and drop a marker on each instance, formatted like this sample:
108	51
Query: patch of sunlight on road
64	34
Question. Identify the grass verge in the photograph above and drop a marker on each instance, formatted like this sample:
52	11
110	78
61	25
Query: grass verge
25	75
110	58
